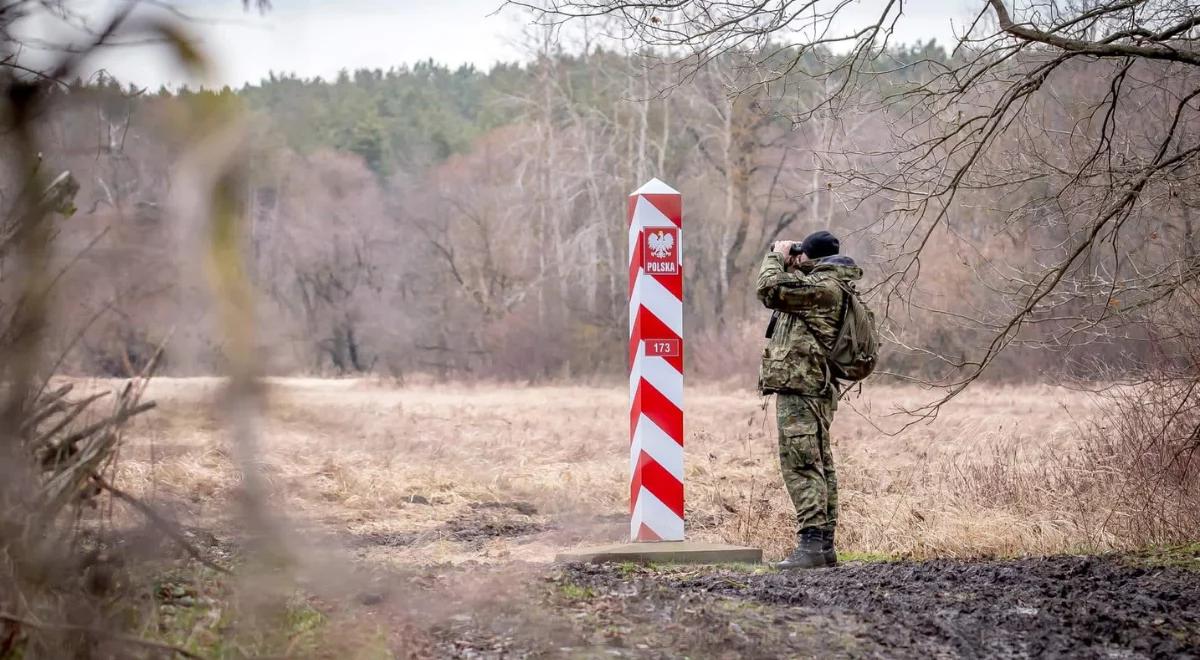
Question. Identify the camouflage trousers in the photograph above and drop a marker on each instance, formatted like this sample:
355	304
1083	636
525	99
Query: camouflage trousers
806	459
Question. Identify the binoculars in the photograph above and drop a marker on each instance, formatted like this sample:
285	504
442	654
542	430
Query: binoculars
796	250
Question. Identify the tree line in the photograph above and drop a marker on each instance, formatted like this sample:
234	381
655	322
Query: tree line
469	224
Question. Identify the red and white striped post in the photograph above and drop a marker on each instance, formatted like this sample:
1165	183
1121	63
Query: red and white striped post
655	363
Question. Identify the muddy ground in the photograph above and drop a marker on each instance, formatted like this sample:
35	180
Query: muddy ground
1119	606
1127	606
1082	607
1069	606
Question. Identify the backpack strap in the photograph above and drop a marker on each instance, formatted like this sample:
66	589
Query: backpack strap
831	381
847	291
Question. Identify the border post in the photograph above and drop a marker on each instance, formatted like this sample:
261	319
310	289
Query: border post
655	217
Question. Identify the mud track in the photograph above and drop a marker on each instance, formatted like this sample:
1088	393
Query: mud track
1062	606
1076	607
1067	606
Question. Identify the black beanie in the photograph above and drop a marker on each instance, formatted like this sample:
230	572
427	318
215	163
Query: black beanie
820	244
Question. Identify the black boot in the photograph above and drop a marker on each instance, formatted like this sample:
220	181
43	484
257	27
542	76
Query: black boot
809	552
827	548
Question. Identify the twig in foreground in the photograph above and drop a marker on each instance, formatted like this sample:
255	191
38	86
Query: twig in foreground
128	639
162	523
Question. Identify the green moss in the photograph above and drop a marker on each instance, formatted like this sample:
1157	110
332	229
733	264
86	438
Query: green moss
572	591
749	569
729	567
865	557
1186	556
302	625
199	611
629	568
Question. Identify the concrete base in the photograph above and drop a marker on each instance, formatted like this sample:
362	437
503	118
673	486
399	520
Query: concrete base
664	552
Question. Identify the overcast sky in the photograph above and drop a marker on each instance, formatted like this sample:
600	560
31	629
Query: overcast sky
320	37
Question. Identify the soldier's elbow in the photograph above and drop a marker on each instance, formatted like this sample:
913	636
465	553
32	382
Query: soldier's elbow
773	301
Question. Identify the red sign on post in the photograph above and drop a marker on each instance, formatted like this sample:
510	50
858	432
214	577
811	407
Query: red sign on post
662	348
662	251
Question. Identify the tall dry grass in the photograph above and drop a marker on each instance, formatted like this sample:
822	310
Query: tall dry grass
996	473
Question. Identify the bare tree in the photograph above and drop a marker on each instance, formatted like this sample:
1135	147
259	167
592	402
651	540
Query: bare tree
1086	174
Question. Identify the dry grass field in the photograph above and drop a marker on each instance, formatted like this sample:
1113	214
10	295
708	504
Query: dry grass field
420	521
433	474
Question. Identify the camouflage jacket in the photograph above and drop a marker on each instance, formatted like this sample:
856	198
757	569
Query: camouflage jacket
810	306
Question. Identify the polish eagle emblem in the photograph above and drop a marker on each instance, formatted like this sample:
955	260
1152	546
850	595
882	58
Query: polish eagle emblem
660	244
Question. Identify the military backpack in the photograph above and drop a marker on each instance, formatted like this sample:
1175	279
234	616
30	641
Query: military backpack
855	350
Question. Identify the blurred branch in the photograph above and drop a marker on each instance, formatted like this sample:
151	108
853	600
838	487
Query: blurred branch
163	525
101	633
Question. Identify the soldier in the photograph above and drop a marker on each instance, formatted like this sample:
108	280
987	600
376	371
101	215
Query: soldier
803	287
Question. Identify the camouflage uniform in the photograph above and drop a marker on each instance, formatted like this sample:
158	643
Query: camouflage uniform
793	366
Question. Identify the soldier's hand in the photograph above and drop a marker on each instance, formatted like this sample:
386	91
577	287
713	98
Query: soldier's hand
782	247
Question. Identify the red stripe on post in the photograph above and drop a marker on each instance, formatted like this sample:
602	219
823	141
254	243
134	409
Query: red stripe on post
672	283
647	534
657	480
658	409
669	205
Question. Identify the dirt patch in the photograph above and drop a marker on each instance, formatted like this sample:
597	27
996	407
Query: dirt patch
604	612
1054	607
391	539
475	528
483	521
478	523
1078	606
523	508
